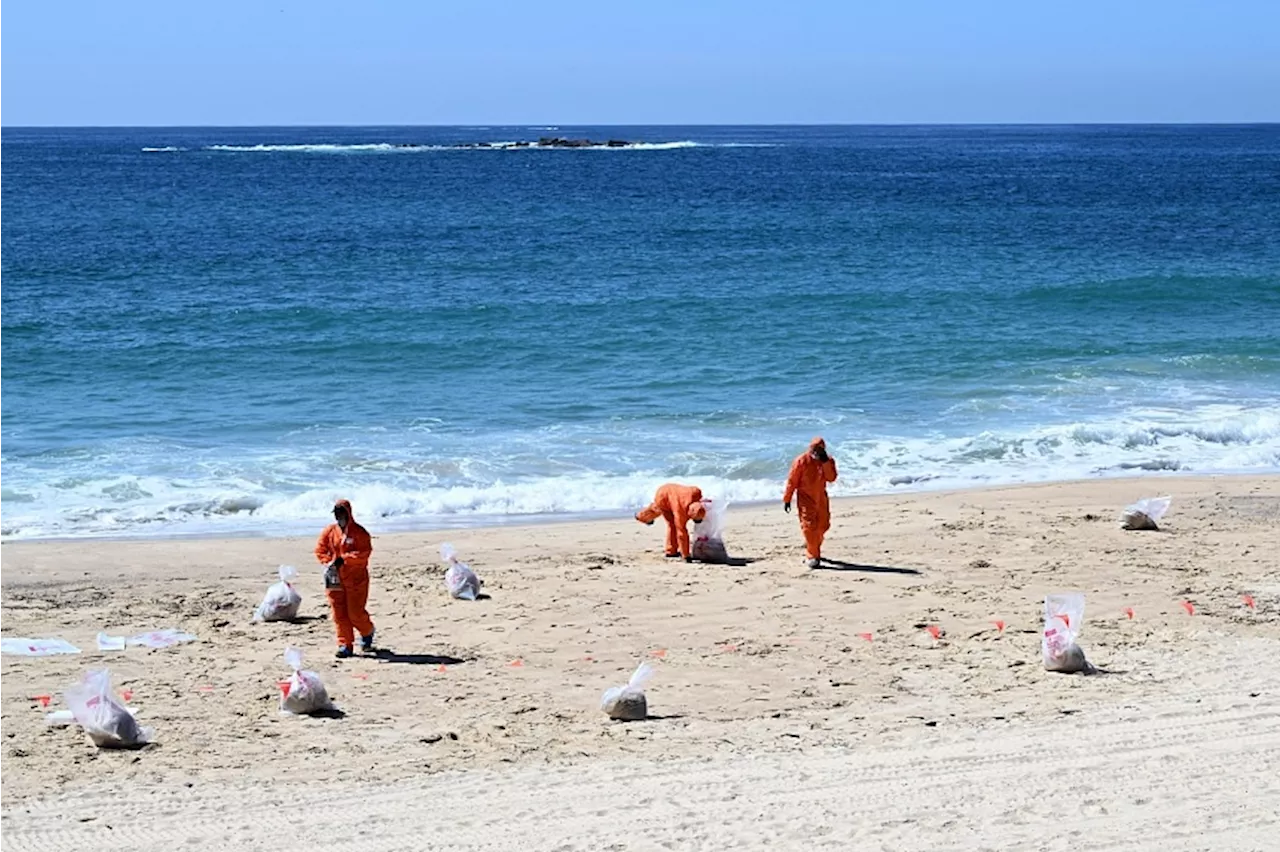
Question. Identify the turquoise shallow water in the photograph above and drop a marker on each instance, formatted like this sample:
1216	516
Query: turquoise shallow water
219	330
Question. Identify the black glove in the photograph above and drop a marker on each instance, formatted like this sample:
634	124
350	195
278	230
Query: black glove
821	455
337	562
786	507
688	559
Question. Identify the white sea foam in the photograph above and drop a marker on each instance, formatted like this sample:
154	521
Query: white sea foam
164	149
594	471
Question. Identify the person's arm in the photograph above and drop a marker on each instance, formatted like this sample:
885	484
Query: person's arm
829	470
324	550
793	481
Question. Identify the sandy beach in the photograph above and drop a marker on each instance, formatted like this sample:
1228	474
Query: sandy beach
791	708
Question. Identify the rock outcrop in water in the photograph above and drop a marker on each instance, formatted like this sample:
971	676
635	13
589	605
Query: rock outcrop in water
542	142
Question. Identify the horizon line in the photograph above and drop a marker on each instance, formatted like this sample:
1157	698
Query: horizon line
549	124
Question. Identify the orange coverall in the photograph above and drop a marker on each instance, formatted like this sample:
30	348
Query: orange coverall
807	483
678	504
348	602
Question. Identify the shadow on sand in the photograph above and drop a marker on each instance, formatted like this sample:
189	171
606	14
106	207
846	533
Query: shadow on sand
837	565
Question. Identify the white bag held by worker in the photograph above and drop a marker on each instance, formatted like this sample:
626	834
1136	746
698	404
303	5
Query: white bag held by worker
1145	514
459	579
1063	620
708	536
627	703
304	692
282	599
103	716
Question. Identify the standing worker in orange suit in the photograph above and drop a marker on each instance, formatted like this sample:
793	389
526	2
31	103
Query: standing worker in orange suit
678	504
344	549
807	483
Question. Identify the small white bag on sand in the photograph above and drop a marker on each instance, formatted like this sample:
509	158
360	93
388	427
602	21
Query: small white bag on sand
708	536
282	599
304	692
166	638
627	703
36	647
1145	514
459	579
1063	620
103	716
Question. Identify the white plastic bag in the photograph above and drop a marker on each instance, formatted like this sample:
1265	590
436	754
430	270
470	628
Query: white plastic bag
459	579
110	643
627	703
1063	620
708	536
304	692
103	716
1145	514
36	647
282	600
166	638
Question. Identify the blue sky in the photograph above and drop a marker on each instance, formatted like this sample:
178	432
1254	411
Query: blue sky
281	62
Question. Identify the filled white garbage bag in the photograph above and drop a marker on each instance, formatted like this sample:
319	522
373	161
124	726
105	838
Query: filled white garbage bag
1063	620
459	579
628	703
104	717
708	536
304	692
282	600
1145	514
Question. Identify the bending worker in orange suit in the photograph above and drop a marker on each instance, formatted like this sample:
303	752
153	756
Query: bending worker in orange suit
678	504
344	549
807	483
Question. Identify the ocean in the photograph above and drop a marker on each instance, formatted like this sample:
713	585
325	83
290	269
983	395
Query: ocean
218	331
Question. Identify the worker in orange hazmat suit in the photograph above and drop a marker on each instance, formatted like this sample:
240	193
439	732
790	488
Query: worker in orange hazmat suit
807	483
344	549
677	504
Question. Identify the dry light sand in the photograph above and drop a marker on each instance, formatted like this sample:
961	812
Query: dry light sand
777	725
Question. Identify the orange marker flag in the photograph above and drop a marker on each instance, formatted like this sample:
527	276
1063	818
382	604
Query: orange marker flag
661	652
443	669
43	699
999	625
866	636
934	630
284	688
1189	607
127	693
1248	601
361	675
1128	611
515	664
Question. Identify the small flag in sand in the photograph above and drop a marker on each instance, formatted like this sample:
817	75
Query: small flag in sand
1189	607
361	675
935	631
205	688
442	669
588	659
869	637
1128	611
43	699
999	625
127	694
660	653
284	688
1248	601
515	664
